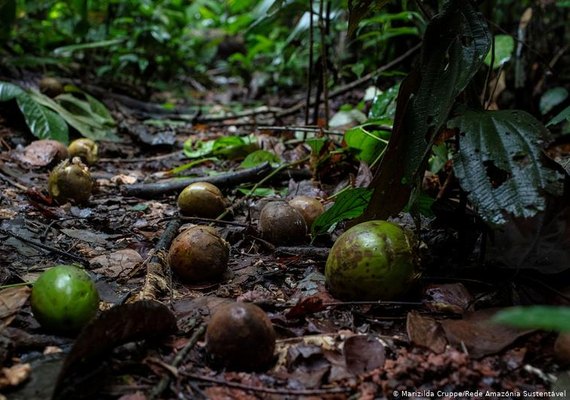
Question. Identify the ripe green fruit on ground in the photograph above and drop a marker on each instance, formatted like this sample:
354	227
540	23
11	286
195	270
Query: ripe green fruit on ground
373	260
64	299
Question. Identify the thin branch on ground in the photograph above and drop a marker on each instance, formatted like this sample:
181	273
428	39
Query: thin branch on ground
261	389
42	246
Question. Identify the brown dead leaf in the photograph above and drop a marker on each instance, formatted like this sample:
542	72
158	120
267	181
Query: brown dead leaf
11	301
363	353
479	335
120	262
41	153
425	332
308	305
452	297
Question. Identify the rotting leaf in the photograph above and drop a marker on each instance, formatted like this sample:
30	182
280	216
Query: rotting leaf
508	144
451	297
479	334
425	332
11	301
121	324
363	353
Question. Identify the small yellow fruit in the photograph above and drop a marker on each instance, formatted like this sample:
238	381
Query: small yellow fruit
201	199
309	207
241	336
84	148
199	254
373	260
64	299
70	181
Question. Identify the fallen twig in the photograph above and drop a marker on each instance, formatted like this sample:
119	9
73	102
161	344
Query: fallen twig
290	392
150	190
42	246
182	354
306	251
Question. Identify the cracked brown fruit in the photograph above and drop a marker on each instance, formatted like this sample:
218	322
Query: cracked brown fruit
241	336
373	260
64	299
309	207
201	199
70	181
199	254
84	148
279	223
51	87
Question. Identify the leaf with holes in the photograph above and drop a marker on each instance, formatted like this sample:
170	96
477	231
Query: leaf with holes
499	163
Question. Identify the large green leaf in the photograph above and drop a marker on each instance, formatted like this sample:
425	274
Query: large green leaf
455	44
368	141
9	91
87	126
563	115
499	163
349	204
43	123
536	317
359	9
504	47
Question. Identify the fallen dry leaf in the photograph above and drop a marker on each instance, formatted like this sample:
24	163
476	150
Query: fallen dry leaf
41	153
14	375
479	335
363	353
426	332
451	297
120	262
11	301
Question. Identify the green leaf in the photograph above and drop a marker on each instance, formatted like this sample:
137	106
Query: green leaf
350	117
370	143
86	126
551	98
9	91
506	145
316	144
359	9
232	147
563	115
67	50
384	103
536	317
43	123
349	204
259	157
504	47
197	149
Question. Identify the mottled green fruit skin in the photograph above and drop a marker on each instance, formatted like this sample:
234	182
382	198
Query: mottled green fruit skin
371	261
64	299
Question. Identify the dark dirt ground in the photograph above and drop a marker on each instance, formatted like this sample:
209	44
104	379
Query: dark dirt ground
435	343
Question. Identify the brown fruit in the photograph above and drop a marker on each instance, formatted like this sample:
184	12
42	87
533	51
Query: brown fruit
84	148
309	207
280	223
201	199
70	180
199	254
51	86
241	336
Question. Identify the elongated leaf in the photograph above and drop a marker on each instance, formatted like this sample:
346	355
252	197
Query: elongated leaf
455	44
359	9
349	204
499	163
67	50
536	317
9	91
563	115
552	98
368	141
504	47
86	126
43	123
259	157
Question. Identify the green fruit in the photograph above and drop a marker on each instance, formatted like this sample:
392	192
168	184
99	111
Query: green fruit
201	199
373	260
64	299
70	181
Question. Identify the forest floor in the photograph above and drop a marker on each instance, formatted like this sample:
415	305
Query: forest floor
438	342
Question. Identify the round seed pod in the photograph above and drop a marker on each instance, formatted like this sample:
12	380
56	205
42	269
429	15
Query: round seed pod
70	181
309	207
201	199
373	260
199	254
241	336
51	87
279	223
84	148
64	299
